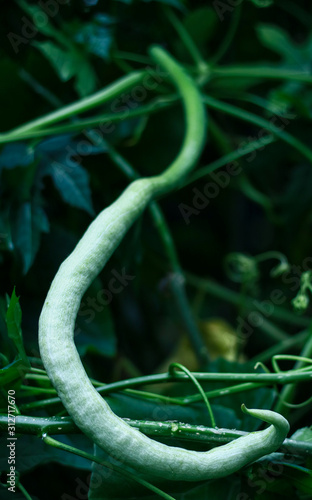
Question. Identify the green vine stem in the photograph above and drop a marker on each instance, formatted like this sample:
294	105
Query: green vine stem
223	293
188	41
110	92
23	490
260	122
228	37
36	426
288	392
57	321
71	449
247	381
82	124
261	72
296	341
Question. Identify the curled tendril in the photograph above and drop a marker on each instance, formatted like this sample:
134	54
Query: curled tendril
241	268
277	369
178	366
280	269
289	357
302	299
262	365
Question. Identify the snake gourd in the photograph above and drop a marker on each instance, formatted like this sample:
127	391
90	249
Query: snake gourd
88	409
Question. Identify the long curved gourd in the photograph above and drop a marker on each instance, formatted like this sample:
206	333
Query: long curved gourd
57	321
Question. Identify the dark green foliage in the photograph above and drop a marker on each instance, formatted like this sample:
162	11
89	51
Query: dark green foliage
254	56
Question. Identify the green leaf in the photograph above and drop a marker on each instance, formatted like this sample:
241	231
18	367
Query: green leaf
6	242
174	3
37	14
65	66
276	39
14	371
17	154
30	221
14	325
201	25
303	434
85	82
72	182
69	178
69	63
96	36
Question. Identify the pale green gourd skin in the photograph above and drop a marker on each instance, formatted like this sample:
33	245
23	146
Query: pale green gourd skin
57	322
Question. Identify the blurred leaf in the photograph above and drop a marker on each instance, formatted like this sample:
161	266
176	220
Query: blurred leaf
201	25
96	36
17	154
276	39
6	242
14	325
65	66
179	4
72	182
69	63
13	372
70	179
37	14
29	222
303	434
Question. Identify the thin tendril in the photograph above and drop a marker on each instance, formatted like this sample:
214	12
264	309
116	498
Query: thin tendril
197	385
